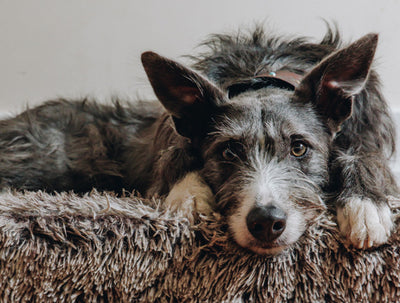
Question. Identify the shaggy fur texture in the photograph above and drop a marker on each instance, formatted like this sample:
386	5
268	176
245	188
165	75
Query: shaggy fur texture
243	148
99	248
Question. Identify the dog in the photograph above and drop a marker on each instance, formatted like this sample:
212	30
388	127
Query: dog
265	130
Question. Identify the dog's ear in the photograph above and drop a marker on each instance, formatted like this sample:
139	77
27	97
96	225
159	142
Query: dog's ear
334	82
188	97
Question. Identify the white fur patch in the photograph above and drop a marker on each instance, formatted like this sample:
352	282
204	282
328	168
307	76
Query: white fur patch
364	223
191	194
267	183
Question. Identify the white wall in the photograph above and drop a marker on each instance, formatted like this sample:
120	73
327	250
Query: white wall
75	48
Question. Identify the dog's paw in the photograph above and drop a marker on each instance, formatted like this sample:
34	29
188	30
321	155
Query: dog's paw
191	194
363	223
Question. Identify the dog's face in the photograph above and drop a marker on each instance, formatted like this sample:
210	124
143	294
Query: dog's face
266	160
265	152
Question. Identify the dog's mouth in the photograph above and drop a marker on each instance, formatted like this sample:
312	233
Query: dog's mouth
247	241
266	245
263	235
263	248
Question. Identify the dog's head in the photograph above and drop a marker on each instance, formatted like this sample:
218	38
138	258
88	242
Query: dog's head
265	151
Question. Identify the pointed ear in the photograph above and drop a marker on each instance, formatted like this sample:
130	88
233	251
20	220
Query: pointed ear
333	83
188	97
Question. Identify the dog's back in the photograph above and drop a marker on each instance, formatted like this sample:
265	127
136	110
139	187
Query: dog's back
73	145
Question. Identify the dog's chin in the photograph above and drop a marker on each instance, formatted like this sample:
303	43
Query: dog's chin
247	241
266	249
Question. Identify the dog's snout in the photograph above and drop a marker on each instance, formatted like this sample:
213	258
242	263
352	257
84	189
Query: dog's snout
266	223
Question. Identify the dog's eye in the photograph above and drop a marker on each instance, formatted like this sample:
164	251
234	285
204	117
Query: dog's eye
232	151
298	149
228	155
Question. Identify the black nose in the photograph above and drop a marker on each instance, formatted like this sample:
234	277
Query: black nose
266	223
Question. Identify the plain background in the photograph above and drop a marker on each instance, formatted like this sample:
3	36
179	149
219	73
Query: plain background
78	48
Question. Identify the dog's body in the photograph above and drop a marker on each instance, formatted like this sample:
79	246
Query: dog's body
270	154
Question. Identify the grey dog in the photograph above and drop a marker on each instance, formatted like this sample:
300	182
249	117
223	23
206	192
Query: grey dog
271	128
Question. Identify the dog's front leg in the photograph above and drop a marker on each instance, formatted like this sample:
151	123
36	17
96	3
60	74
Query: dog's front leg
364	216
190	194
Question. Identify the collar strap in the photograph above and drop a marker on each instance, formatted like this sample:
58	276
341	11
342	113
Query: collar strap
281	79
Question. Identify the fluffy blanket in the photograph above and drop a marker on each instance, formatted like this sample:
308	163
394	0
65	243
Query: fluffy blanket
100	248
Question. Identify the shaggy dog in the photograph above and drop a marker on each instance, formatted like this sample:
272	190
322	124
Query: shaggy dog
268	127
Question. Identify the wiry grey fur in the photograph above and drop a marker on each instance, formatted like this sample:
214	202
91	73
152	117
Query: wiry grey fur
242	147
369	133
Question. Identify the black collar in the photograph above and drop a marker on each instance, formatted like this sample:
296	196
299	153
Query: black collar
280	79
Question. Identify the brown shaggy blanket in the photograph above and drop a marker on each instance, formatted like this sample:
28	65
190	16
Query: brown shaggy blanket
100	248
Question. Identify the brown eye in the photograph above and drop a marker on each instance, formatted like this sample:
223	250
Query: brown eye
228	155
298	149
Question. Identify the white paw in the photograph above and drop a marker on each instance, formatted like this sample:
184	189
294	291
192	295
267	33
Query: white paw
191	194
364	223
